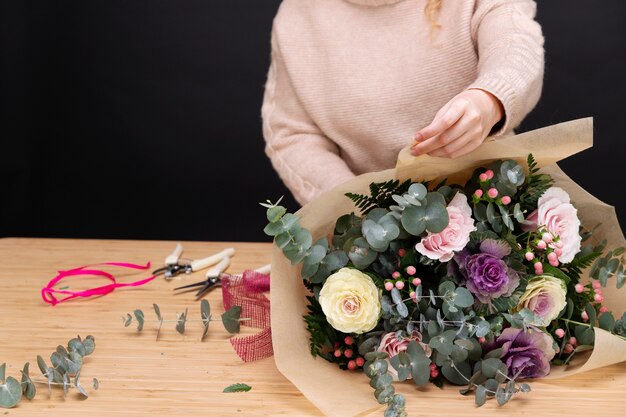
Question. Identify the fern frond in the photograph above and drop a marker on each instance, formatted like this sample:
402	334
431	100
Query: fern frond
380	195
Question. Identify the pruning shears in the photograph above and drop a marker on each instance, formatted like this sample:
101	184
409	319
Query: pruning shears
213	278
174	265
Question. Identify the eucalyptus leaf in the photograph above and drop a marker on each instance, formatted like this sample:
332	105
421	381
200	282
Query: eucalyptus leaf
481	395
95	383
490	367
607	321
517	213
230	319
59	362
28	387
139	316
437	218
157	311
458	374
10	393
129	319
43	367
180	323
584	335
463	298
76	345
205	312
74	362
414	220
2	372
81	390
274	213
417	190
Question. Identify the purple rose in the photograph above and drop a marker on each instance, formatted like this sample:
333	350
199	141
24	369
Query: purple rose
525	354
487	275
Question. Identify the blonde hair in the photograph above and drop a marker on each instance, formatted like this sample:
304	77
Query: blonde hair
431	10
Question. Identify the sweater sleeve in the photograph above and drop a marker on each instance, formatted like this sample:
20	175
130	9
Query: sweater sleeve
510	56
306	160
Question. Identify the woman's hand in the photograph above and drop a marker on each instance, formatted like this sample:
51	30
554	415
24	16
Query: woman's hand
460	126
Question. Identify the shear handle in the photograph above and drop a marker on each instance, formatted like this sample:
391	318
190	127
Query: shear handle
211	260
172	259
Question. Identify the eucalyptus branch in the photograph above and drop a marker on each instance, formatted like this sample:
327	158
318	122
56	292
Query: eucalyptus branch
64	372
231	319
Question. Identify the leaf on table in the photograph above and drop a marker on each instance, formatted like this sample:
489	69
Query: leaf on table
239	387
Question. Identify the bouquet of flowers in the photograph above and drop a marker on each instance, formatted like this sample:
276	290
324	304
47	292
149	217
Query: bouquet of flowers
477	283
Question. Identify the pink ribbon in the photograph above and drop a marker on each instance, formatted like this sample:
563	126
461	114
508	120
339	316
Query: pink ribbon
48	292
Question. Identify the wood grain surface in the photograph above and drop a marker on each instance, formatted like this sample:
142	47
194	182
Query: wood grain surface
179	374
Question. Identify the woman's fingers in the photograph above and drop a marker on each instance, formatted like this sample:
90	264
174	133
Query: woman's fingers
442	122
460	126
464	144
443	139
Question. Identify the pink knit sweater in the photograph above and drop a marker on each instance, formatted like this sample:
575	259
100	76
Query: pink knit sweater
351	81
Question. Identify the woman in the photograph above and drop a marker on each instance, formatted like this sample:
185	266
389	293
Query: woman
353	81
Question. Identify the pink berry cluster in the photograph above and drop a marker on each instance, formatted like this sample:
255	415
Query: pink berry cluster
347	352
594	293
399	281
542	247
487	192
571	342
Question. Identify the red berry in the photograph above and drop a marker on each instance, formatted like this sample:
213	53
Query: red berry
351	365
360	361
348	340
434	374
337	353
347	353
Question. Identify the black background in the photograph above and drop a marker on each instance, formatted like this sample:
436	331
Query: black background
141	119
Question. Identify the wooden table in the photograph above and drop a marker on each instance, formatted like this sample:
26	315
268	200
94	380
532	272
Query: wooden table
178	374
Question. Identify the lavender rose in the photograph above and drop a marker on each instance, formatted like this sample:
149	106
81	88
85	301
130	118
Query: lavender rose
526	354
487	275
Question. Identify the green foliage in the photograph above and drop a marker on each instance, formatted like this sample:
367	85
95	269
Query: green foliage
381	195
66	362
231	320
536	185
239	387
323	336
612	264
377	370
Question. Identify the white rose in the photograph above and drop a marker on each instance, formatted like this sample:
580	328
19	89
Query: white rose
546	297
351	301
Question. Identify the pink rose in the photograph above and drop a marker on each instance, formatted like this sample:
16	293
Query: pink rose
559	216
454	237
391	345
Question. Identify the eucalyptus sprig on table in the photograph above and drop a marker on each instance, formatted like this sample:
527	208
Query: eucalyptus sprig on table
66	365
231	319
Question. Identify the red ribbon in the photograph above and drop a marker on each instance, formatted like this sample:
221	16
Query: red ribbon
247	291
48	292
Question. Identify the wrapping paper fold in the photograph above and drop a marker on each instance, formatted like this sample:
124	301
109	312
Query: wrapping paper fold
339	393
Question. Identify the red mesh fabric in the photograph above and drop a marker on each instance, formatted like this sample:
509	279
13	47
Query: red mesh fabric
247	291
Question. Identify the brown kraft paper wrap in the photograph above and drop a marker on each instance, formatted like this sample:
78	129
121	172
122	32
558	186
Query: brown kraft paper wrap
340	393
